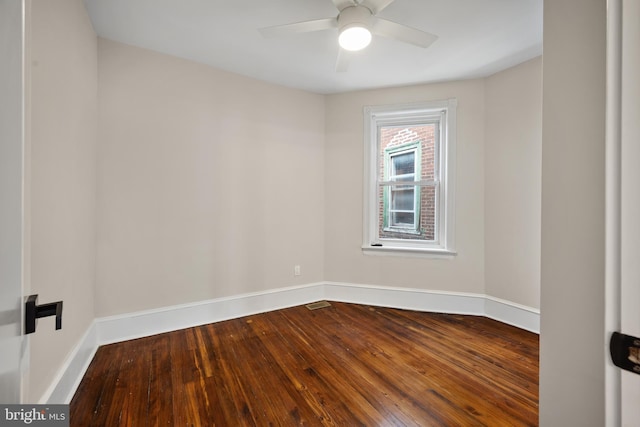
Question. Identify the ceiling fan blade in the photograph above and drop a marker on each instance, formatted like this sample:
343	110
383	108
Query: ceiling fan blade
344	58
390	29
299	27
376	6
341	4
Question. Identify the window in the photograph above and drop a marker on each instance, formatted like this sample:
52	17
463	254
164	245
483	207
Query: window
409	167
401	202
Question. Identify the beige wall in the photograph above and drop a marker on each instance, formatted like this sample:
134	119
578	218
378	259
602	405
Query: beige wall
210	184
62	179
572	340
344	259
497	189
513	142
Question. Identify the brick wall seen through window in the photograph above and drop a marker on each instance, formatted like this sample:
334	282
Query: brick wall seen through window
425	137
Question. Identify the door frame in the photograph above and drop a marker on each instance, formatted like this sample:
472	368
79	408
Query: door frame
14	108
613	207
617	389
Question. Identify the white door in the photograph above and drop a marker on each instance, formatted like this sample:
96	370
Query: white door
623	206
11	191
630	202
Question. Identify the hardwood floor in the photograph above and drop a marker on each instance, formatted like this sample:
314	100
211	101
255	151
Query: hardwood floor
345	365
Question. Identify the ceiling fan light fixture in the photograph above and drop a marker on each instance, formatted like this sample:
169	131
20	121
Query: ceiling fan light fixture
354	25
354	37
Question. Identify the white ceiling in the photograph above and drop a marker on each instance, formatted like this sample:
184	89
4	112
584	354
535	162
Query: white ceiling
476	38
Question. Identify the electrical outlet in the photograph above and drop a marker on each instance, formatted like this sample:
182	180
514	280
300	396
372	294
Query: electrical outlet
296	270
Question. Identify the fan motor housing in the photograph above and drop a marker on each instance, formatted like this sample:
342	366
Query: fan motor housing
355	16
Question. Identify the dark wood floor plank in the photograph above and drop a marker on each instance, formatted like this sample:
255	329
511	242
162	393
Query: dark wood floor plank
476	379
412	393
230	364
456	351
302	380
94	394
126	394
189	405
343	365
278	393
325	376
339	342
223	406
160	385
261	401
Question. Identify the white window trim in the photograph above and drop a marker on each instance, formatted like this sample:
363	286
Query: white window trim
418	113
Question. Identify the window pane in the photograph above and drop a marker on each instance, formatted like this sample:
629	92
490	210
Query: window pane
428	165
402	219
398	211
393	139
402	199
428	212
403	164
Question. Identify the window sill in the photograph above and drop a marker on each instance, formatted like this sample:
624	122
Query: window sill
408	252
401	230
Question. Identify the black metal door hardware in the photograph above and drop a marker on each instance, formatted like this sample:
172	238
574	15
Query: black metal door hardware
34	311
625	352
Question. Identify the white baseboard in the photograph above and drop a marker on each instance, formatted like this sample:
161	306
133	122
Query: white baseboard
523	317
518	315
151	322
406	298
123	327
73	369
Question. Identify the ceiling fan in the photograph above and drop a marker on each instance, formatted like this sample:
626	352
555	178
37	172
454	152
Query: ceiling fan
356	22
